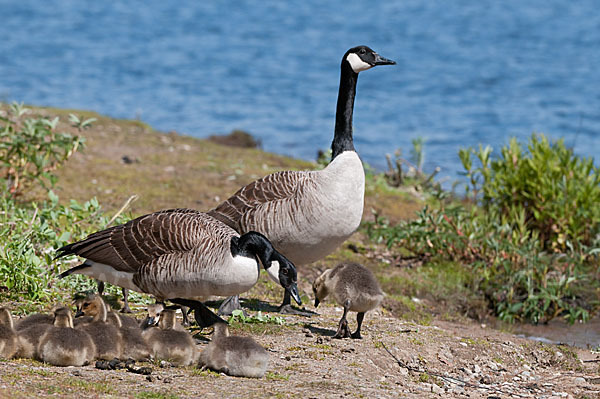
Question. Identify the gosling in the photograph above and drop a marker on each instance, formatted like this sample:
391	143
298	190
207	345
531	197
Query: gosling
168	342
355	288
134	345
107	337
63	345
9	343
233	355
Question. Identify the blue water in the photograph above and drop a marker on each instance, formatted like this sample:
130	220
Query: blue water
468	72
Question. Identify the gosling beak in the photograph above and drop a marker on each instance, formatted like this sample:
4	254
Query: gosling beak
317	302
79	313
379	60
293	290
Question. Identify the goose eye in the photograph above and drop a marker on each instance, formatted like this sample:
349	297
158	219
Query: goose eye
362	51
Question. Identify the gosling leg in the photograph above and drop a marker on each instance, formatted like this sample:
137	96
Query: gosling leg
359	319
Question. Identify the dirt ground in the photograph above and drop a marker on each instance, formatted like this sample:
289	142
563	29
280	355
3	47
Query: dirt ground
434	357
443	359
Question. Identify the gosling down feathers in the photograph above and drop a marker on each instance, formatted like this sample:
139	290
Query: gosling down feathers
9	343
308	214
180	254
106	336
354	287
233	355
169	342
63	345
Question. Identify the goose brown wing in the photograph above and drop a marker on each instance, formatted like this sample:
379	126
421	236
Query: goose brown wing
273	187
129	246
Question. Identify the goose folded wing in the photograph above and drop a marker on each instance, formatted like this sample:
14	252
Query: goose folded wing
273	187
129	246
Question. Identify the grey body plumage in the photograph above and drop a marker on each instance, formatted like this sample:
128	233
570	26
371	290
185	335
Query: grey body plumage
234	355
354	287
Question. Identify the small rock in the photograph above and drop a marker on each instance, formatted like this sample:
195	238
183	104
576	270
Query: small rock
169	169
149	378
347	350
164	364
580	381
319	340
485	380
309	335
288	358
168	380
77	373
476	369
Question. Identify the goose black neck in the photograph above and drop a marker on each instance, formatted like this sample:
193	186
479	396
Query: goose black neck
342	139
253	245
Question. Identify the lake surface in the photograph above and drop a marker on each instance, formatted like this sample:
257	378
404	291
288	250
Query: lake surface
468	72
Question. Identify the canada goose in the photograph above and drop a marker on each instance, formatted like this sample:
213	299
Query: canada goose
134	345
34	320
181	253
106	337
308	214
30	330
63	345
233	355
125	308
354	287
9	343
168	342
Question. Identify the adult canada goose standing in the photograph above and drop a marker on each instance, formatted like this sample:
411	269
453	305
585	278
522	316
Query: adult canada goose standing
308	214
181	254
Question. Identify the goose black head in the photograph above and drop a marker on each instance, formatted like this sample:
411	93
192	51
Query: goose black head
277	266
361	58
287	275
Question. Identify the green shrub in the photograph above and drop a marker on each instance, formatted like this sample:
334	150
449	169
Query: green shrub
29	237
529	237
31	148
546	190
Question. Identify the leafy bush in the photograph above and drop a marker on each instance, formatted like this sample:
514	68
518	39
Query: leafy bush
31	148
548	191
518	281
29	237
531	242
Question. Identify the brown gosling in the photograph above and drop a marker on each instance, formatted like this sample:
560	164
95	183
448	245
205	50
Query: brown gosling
134	345
233	355
355	288
167	342
63	345
107	337
35	319
9	342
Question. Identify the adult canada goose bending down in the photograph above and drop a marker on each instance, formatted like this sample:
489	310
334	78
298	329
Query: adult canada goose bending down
180	254
9	343
308	214
233	355
170	341
354	287
63	345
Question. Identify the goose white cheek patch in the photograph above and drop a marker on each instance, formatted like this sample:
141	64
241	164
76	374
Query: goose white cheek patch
357	64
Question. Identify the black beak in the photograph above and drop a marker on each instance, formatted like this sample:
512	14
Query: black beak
379	60
317	302
79	313
293	290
